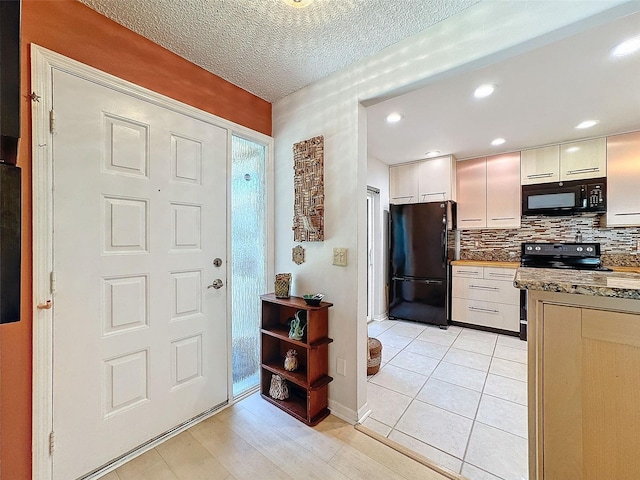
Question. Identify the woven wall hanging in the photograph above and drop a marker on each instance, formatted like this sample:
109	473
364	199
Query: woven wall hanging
308	184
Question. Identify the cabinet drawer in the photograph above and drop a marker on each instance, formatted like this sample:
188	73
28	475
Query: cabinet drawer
487	314
497	291
499	273
467	271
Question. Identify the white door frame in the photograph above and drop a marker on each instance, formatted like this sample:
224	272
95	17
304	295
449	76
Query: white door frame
43	63
374	247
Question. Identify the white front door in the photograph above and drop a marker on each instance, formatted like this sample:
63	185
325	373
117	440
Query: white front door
139	207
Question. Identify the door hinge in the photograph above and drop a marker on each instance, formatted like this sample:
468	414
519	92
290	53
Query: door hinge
52	282
52	121
52	443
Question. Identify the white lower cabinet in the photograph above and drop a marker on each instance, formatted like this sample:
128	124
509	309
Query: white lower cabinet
485	297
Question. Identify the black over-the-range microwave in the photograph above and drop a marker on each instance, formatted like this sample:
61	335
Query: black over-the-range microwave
565	198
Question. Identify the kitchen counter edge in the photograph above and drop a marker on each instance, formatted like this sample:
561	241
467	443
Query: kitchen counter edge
499	264
615	284
486	263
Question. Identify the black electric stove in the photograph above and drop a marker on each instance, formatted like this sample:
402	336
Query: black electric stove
577	256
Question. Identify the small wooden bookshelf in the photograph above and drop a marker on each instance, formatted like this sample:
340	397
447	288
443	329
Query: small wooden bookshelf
308	384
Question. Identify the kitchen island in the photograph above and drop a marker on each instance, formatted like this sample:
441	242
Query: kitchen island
584	373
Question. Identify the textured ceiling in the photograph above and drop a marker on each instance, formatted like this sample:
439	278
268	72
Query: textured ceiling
269	48
541	96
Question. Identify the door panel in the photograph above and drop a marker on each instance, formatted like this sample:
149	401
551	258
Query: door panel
419	301
140	342
418	233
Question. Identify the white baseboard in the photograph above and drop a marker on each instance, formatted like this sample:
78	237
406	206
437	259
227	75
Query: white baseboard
363	413
348	415
380	317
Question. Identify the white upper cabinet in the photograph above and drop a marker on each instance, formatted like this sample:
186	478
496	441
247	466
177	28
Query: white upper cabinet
586	159
488	192
503	191
540	165
403	183
471	179
437	179
623	180
430	180
570	161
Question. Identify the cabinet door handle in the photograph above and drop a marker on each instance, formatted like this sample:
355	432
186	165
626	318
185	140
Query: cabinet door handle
540	175
471	220
471	272
482	287
504	275
583	170
404	196
484	310
504	218
434	193
628	213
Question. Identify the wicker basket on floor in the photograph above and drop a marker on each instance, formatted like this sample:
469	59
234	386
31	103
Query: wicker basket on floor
374	357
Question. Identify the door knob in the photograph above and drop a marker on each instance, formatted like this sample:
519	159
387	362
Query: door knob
217	283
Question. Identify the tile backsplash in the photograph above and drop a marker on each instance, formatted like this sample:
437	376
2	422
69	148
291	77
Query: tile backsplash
618	245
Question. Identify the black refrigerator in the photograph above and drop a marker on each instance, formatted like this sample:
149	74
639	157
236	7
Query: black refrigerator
419	271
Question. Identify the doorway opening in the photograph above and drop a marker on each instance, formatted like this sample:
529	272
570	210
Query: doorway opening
248	259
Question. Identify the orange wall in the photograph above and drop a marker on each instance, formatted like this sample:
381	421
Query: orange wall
72	29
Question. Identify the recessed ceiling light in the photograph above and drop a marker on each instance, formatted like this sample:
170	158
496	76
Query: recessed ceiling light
433	153
572	149
498	141
484	90
627	47
587	124
394	117
298	3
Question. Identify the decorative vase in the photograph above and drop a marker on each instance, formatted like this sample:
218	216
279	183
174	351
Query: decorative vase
291	360
282	285
279	388
296	330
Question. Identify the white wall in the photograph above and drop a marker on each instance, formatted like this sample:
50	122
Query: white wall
378	177
486	32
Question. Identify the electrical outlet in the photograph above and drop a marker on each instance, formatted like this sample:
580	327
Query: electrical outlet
341	366
340	257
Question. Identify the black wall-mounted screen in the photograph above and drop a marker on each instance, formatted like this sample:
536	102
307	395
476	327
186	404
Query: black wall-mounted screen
9	80
9	243
10	180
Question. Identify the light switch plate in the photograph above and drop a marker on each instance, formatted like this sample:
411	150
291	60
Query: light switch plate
341	367
340	257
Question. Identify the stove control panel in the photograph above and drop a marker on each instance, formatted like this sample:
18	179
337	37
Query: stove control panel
581	250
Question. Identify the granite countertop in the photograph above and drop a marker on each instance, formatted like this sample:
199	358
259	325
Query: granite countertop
486	263
506	264
582	282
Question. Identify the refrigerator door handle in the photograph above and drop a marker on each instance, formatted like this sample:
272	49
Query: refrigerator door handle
428	282
443	239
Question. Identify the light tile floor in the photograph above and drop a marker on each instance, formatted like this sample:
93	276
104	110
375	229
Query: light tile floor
456	396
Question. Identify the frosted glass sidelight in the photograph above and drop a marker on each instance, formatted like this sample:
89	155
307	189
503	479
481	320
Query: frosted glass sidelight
248	259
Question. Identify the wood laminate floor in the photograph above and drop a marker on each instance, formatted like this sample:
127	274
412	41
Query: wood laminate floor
255	440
